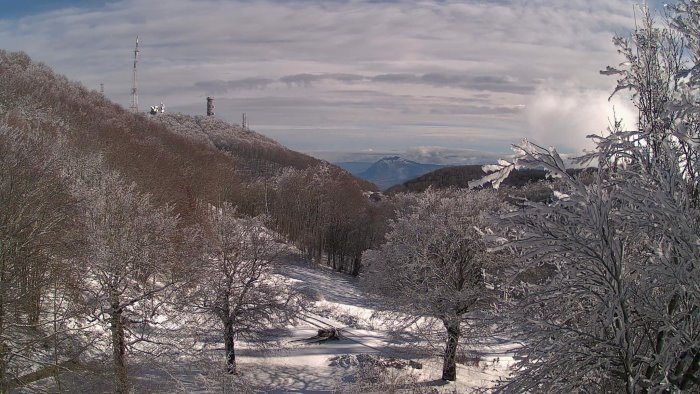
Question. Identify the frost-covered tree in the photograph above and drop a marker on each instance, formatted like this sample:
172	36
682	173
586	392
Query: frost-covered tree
434	259
133	262
619	308
238	287
36	242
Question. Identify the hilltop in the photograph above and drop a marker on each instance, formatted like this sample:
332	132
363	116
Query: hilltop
187	161
255	154
176	157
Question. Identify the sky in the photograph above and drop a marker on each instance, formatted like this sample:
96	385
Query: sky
343	78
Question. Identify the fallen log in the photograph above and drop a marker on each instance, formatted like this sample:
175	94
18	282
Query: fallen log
329	333
323	335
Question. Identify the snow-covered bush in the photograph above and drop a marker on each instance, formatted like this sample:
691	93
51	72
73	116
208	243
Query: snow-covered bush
372	374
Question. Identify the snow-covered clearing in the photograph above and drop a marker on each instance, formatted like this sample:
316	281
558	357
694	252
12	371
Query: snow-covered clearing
291	364
311	368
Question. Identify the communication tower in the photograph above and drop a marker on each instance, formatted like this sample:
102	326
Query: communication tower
210	106
134	86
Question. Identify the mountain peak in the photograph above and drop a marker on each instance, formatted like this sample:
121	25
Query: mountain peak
392	170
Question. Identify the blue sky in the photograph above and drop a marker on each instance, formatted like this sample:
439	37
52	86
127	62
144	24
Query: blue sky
18	8
352	76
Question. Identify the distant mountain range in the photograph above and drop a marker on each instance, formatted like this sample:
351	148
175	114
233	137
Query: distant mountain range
421	154
388	171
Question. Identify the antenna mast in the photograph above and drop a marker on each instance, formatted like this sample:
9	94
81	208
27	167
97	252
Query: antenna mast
134	88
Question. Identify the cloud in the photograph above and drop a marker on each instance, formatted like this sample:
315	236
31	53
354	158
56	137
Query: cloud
476	110
249	83
564	116
450	156
306	80
219	86
493	83
480	83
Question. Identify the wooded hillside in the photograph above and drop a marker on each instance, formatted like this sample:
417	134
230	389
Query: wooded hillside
185	160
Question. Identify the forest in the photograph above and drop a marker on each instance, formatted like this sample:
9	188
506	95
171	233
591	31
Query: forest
130	241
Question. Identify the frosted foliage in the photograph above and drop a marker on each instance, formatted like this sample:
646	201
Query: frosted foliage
35	238
213	131
616	306
434	254
130	243
132	258
237	287
434	260
238	273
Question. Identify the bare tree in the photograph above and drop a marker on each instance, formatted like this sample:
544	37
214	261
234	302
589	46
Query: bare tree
237	285
133	261
36	234
434	259
324	212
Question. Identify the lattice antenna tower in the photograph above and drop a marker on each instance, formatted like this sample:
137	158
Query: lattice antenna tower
134	84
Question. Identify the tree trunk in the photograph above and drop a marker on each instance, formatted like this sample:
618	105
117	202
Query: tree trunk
449	365
229	334
4	384
3	349
119	349
356	262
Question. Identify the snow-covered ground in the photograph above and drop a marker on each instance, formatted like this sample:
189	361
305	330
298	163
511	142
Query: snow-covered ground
291	364
313	368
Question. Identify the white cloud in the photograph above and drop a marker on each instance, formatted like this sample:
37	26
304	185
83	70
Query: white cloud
564	115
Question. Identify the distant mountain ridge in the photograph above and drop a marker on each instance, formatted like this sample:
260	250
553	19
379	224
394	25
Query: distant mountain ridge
393	170
354	167
459	176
